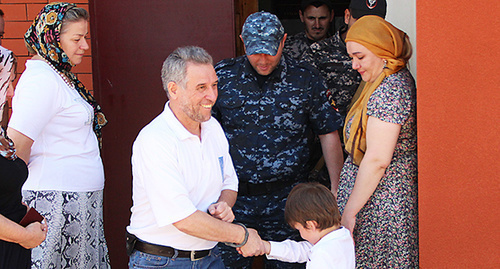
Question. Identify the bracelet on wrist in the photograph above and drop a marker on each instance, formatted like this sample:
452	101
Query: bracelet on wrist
244	240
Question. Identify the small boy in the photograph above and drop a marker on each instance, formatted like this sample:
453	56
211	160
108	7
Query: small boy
312	209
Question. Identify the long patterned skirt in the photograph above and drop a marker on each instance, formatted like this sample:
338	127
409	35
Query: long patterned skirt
386	231
75	237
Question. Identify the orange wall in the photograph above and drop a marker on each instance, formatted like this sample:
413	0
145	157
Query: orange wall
458	114
19	14
458	133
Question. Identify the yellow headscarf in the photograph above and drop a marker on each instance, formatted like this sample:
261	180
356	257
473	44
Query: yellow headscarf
386	42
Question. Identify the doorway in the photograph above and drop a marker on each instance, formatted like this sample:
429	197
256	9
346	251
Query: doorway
130	40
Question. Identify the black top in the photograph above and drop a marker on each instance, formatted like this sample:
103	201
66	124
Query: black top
13	174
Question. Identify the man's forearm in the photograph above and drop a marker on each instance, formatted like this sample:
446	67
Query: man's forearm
228	196
202	225
334	159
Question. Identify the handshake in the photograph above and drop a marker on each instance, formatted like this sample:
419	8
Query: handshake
254	246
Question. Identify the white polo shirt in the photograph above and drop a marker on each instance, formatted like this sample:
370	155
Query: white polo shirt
175	174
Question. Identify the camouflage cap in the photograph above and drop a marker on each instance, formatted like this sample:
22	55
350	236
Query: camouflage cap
262	33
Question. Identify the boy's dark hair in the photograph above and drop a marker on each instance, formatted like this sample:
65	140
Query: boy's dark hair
312	201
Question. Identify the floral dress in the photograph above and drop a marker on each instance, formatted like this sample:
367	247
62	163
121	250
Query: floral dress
386	231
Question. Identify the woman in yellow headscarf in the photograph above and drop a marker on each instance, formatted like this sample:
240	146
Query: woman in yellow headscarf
378	187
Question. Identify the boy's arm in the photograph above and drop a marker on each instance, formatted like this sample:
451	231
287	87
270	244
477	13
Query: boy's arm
288	250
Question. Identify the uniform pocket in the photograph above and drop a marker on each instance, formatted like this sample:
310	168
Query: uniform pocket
232	111
291	114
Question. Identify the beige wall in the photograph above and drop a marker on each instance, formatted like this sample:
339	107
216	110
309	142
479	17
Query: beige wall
402	14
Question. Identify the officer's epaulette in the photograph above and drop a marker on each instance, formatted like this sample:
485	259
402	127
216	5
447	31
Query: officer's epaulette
224	63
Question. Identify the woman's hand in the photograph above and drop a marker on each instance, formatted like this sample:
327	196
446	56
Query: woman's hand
35	233
349	221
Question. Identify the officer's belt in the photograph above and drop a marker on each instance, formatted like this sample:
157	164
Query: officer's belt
254	189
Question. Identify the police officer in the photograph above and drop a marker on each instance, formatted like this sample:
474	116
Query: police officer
267	105
317	17
330	56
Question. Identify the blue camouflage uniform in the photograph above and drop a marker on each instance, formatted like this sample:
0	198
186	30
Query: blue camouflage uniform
333	62
296	45
268	129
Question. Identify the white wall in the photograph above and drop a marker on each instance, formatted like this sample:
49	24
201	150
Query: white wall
403	15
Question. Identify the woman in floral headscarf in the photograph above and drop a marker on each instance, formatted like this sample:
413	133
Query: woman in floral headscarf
378	187
55	126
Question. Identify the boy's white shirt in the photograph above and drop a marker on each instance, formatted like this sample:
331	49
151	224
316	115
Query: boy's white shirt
334	250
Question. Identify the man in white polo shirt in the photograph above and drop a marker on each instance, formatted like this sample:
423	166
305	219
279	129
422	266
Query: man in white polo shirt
184	183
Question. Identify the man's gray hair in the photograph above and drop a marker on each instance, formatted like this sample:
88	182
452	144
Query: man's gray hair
175	66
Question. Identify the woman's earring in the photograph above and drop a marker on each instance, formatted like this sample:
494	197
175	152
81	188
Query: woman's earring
385	62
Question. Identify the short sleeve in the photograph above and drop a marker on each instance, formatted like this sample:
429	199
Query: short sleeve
36	101
155	165
390	102
230	177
